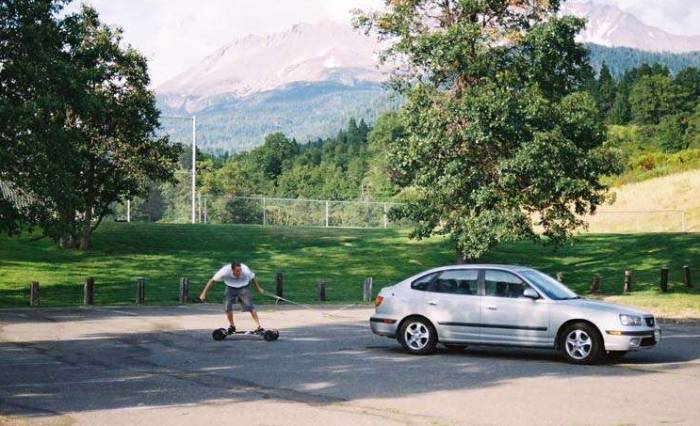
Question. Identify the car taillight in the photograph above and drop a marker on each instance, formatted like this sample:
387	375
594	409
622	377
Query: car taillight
378	301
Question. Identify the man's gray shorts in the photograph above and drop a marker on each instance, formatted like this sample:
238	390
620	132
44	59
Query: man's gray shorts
241	294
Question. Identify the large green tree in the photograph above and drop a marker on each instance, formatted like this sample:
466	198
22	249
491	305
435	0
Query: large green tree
500	138
77	120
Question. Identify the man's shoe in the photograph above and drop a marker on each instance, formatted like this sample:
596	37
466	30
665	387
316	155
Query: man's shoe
231	329
259	330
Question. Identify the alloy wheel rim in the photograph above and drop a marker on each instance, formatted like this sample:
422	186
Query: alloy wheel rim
417	336
578	344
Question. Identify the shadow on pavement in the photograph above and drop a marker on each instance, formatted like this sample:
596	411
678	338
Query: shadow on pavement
313	365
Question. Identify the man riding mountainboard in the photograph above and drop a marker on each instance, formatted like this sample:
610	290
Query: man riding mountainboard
237	278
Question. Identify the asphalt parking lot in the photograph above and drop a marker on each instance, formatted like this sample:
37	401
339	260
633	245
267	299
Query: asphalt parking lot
159	364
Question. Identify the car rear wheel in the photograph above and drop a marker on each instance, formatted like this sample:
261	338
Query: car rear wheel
418	336
581	344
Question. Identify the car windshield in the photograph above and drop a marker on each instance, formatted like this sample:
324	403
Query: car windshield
549	286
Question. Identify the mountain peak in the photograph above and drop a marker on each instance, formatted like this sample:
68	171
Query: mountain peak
307	52
608	25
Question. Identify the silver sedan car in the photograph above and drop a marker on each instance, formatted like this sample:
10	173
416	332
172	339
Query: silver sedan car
507	305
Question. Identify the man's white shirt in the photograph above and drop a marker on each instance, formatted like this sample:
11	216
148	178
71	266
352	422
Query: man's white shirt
226	274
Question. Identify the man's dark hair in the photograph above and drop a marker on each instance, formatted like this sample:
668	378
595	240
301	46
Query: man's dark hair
235	264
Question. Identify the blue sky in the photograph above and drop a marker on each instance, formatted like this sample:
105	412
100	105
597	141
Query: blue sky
176	34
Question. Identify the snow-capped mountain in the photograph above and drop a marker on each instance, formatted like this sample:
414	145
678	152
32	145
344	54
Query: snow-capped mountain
608	25
309	80
322	52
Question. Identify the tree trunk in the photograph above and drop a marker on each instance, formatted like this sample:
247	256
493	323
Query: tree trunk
67	241
86	232
459	257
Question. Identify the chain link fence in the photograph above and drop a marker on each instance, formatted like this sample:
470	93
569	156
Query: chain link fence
296	212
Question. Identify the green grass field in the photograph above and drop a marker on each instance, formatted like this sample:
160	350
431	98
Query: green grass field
343	257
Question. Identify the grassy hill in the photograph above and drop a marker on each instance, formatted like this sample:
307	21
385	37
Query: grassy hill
343	257
672	192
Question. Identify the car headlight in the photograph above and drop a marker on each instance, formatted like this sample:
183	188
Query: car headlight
630	320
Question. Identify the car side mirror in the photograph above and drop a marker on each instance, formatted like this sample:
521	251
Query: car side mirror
530	294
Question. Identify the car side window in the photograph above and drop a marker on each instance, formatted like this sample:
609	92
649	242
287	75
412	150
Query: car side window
503	284
457	281
423	282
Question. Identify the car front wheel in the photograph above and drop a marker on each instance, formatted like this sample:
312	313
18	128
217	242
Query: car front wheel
581	344
418	336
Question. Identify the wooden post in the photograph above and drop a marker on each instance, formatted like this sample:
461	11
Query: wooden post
89	291
664	279
595	284
628	282
184	290
686	277
321	291
560	277
367	290
34	293
140	290
279	284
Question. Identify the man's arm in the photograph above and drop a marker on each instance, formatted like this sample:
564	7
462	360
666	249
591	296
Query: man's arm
257	285
203	294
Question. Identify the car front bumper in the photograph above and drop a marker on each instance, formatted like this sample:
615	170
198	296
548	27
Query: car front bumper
621	340
383	326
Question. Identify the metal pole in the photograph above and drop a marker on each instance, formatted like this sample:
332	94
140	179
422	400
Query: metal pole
326	213
128	211
205	210
194	164
199	201
683	221
385	217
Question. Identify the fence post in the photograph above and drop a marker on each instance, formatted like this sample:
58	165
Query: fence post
184	290
327	213
628	282
560	277
686	277
367	289
199	205
89	291
279	281
321	291
140	290
595	284
664	279
34	293
264	209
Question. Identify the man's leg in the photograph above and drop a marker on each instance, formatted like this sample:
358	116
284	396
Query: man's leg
247	304
228	304
255	317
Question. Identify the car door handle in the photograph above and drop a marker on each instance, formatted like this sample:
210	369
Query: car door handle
492	308
432	303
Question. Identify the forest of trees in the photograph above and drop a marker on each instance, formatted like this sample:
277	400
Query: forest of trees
653	117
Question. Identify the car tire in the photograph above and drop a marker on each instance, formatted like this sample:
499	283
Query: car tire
581	343
417	336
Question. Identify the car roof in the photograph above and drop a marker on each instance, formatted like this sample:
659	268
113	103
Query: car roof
512	268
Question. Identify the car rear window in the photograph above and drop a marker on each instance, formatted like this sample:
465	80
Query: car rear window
423	282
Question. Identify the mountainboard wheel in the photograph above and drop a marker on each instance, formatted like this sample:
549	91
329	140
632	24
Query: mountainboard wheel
219	334
277	334
269	335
